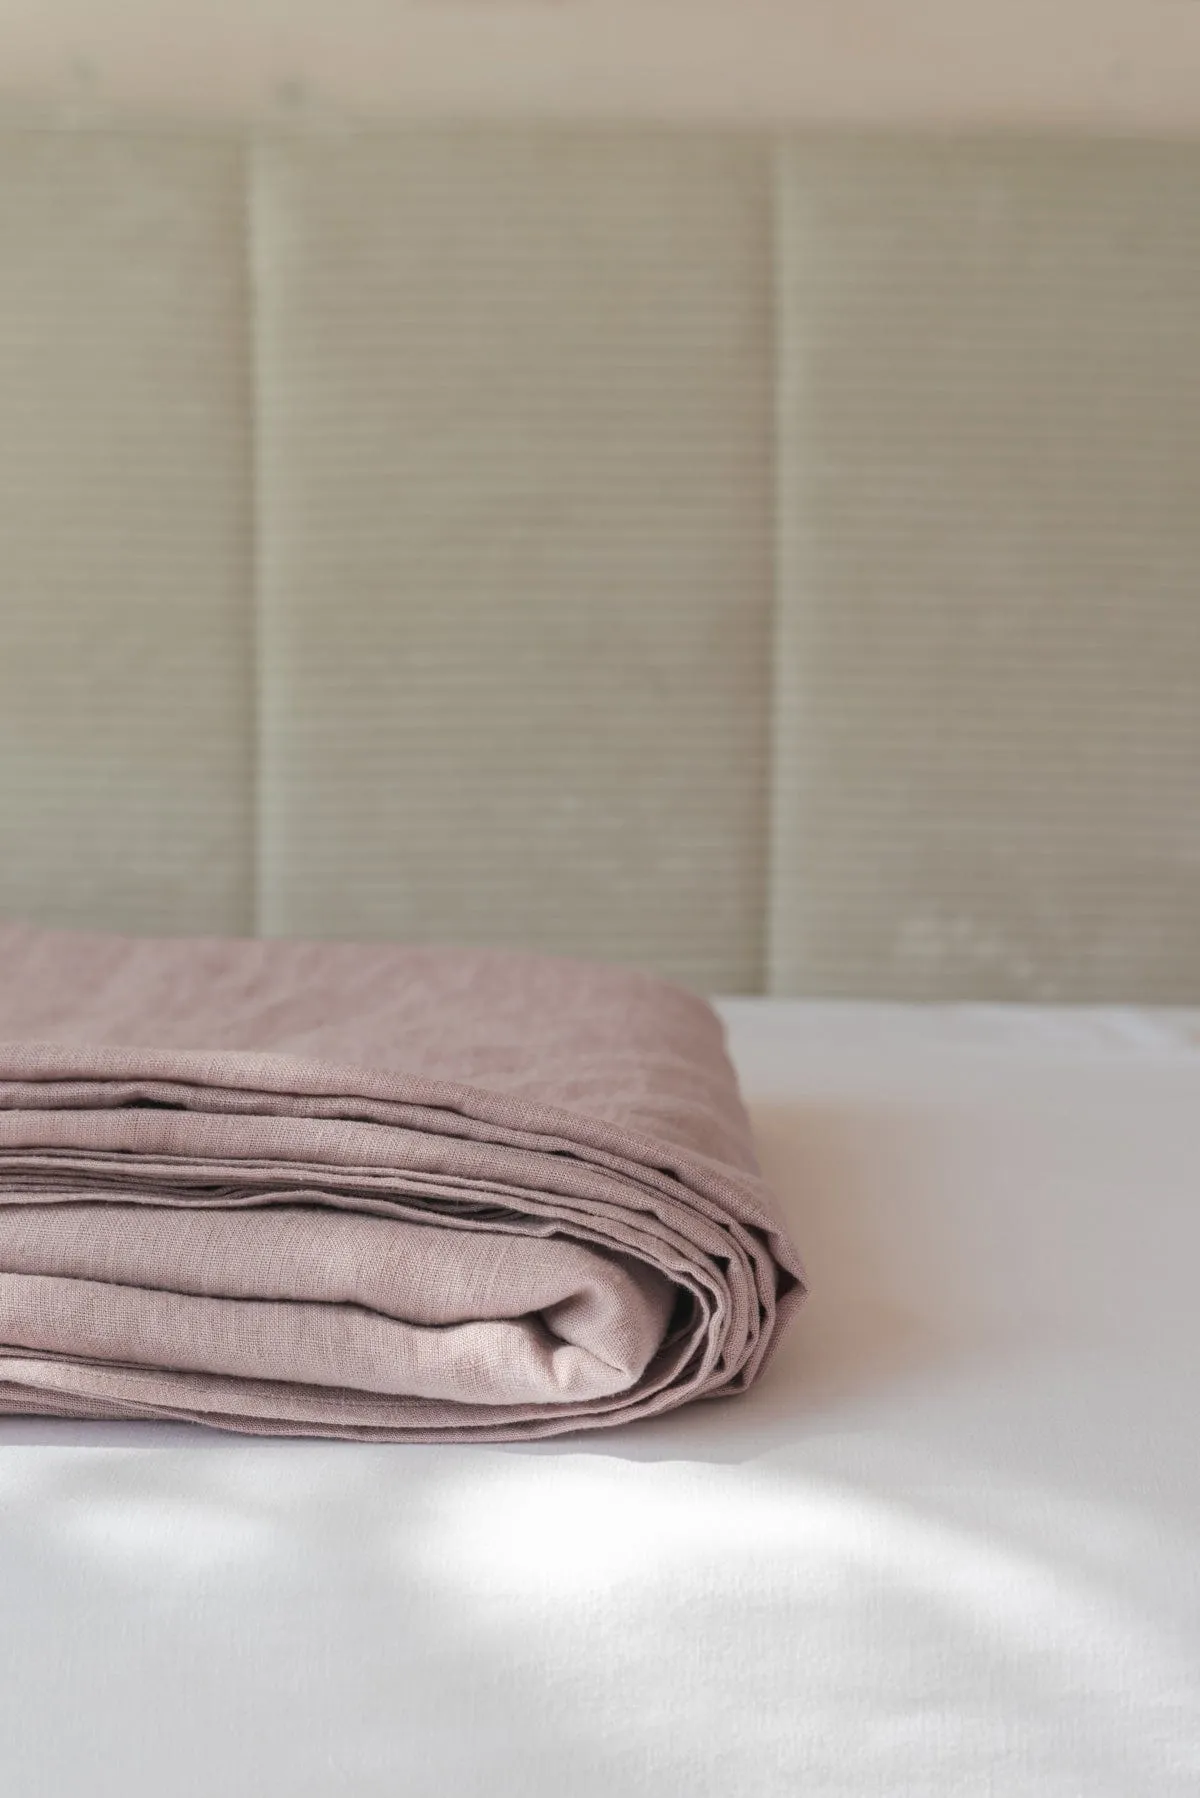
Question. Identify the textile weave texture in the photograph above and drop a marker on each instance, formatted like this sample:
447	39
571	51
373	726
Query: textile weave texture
367	1191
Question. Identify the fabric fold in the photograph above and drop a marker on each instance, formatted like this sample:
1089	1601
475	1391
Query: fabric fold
369	1191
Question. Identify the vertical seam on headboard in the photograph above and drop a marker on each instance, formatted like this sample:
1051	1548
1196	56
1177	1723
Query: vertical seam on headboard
251	288
778	326
771	330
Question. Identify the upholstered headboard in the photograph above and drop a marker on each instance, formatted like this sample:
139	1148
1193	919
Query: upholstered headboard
770	555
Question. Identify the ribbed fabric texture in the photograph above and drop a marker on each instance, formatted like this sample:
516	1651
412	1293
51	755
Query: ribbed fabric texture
515	471
126	651
988	661
770	562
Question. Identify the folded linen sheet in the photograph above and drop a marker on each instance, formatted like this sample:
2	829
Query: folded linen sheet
367	1191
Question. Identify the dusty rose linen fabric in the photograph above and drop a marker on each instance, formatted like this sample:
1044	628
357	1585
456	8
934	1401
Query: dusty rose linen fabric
363	1191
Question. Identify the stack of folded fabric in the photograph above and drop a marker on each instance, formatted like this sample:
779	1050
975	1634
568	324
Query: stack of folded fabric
363	1191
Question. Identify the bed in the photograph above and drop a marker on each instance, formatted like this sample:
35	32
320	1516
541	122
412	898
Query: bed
951	1543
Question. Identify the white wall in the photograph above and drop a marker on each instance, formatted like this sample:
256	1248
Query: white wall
1073	64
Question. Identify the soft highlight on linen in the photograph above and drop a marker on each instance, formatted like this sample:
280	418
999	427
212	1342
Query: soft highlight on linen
364	1191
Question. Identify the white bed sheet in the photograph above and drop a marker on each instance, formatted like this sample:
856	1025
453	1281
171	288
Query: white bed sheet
951	1545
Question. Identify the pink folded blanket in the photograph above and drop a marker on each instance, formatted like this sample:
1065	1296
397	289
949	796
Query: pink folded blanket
362	1191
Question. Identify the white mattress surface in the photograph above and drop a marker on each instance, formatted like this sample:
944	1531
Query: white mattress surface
951	1545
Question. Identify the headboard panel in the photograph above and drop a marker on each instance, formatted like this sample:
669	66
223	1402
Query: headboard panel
515	552
127	733
988	769
773	559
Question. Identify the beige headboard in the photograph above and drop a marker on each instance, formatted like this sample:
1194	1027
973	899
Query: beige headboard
772	556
